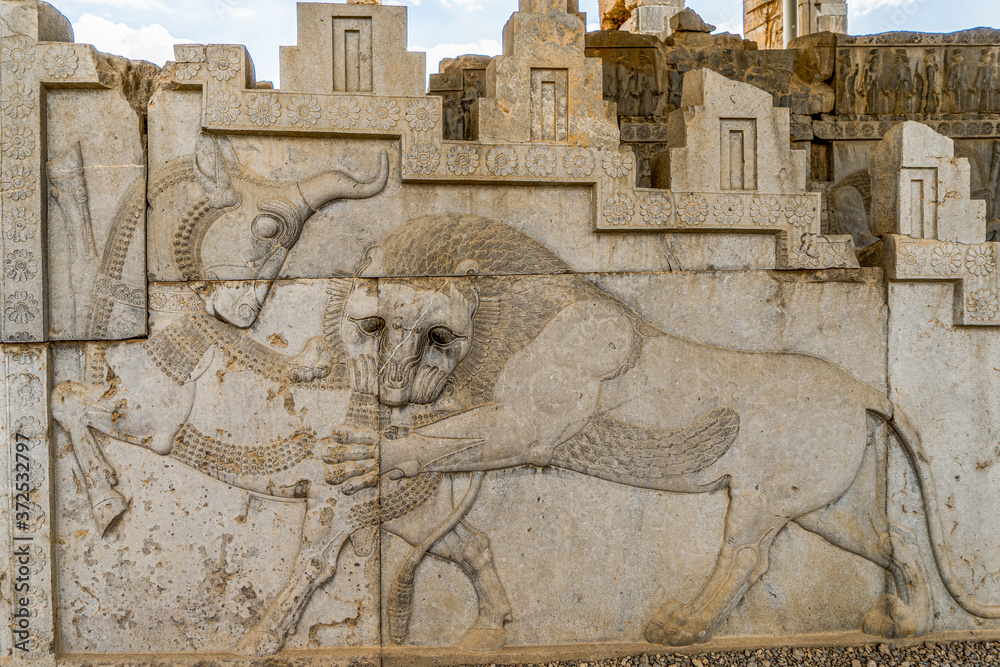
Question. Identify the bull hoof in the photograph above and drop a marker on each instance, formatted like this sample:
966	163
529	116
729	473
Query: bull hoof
892	619
259	644
673	627
483	640
107	512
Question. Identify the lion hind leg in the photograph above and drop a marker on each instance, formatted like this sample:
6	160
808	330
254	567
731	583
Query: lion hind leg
910	611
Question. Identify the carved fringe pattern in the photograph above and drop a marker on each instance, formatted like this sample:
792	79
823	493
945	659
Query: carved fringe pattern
225	461
618	451
410	495
337	292
177	350
109	288
200	217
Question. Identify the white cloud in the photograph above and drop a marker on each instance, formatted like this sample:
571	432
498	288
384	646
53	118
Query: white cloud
149	42
728	27
143	5
465	5
862	7
435	54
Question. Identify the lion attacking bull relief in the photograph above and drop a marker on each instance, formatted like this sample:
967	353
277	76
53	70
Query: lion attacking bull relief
492	369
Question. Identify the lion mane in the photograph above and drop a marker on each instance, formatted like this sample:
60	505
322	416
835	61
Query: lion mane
495	260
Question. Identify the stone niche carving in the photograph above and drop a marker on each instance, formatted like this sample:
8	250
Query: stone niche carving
316	374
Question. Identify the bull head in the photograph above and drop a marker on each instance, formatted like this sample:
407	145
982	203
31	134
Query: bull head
245	229
404	340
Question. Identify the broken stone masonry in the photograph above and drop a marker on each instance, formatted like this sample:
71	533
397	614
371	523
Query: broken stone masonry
618	343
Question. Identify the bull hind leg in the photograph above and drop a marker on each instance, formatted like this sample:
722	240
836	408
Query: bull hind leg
315	564
470	550
750	529
73	407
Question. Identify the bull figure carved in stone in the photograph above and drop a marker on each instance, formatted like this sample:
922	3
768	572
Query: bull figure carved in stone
490	370
241	228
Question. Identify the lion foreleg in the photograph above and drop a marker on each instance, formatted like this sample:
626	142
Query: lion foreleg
742	561
471	550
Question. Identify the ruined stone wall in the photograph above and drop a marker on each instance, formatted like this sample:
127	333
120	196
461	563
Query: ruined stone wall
565	359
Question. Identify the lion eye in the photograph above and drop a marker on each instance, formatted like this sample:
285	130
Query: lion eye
369	326
443	336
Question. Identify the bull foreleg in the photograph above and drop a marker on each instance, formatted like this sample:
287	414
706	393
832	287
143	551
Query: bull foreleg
315	565
73	405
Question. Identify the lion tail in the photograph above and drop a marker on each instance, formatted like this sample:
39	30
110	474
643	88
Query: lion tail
910	441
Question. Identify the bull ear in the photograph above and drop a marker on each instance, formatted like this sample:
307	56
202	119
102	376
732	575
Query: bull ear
214	163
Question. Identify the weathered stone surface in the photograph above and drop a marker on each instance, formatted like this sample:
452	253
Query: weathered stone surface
439	379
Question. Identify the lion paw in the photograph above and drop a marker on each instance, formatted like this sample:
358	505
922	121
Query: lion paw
483	640
259	643
892	619
674	626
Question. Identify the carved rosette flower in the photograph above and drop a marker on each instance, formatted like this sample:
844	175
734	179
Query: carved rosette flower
383	113
34	645
18	182
656	209
946	260
693	209
30	428
423	158
20	266
263	109
17	101
912	259
422	115
540	161
501	161
19	224
17	54
38	559
344	113
22	337
60	61
804	254
186	71
617	165
463	160
835	255
189	53
579	162
223	63
21	307
18	142
982	305
36	599
27	389
729	210
619	210
304	111
980	261
764	210
223	108
800	211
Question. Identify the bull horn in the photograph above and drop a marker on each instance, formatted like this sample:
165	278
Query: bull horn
321	189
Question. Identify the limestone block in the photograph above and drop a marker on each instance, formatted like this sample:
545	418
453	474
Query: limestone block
367	53
920	189
653	17
45	101
543	88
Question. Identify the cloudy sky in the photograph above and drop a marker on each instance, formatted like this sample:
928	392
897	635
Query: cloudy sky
147	29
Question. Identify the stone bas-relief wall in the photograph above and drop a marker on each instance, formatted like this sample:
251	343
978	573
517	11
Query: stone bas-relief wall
345	372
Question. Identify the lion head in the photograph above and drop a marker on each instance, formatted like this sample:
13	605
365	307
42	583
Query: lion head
407	338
